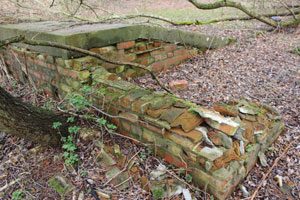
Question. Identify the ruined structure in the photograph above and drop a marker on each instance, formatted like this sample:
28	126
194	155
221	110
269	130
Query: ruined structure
217	146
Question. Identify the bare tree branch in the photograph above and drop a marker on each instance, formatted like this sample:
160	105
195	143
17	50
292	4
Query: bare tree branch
239	6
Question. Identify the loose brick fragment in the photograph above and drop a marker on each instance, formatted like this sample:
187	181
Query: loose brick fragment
179	84
217	121
226	110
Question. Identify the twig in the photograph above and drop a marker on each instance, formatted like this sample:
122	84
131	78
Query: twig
270	169
9	184
123	170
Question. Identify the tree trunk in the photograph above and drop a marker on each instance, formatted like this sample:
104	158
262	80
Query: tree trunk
29	122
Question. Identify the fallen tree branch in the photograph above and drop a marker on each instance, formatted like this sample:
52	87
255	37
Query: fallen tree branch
252	14
22	39
290	12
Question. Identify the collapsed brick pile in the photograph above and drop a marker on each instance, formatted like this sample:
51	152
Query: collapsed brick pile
218	147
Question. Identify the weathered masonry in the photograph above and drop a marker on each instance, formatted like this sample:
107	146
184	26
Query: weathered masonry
217	146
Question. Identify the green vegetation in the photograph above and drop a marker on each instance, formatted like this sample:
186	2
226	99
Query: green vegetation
18	195
158	193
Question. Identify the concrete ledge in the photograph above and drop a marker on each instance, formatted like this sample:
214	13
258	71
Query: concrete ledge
98	35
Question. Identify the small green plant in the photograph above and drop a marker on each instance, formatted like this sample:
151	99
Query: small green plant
103	122
69	144
297	51
49	104
18	195
158	193
78	101
84	173
188	178
56	125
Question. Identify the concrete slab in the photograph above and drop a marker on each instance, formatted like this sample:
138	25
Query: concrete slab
88	36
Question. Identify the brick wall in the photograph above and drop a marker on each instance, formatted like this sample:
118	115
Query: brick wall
217	146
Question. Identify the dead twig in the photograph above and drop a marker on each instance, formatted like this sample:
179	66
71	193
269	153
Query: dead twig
123	170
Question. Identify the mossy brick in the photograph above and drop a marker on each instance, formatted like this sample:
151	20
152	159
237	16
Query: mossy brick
60	62
171	114
129	73
161	102
117	180
60	185
84	75
133	95
157	122
182	141
136	130
141	105
105	159
141	46
155	113
129	57
194	135
220	139
133	118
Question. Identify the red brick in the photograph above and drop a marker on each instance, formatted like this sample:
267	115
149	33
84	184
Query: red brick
161	56
179	52
175	161
179	84
158	66
156	43
125	45
67	72
129	57
170	47
170	54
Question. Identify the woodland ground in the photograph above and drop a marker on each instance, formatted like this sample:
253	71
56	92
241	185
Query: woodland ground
259	67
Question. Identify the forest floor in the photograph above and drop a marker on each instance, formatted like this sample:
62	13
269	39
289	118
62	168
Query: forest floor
260	66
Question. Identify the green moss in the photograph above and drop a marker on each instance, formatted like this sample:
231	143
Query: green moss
58	184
